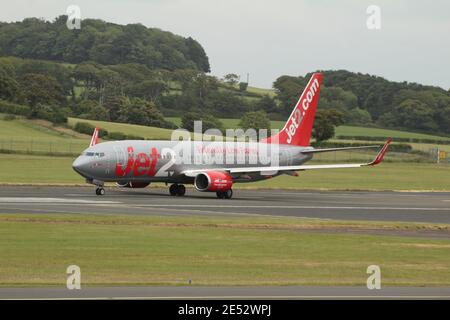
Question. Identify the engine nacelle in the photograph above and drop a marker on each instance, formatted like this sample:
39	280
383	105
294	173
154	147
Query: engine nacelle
213	181
133	184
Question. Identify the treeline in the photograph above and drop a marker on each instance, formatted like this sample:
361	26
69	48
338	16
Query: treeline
101	42
108	78
128	93
369	100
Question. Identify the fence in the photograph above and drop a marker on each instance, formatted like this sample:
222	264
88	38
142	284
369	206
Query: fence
44	147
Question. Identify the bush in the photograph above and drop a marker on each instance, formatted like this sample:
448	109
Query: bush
9	117
87	128
133	137
13	108
84	127
243	86
117	136
102	133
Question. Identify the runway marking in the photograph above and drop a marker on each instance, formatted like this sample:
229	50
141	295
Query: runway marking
292	207
52	200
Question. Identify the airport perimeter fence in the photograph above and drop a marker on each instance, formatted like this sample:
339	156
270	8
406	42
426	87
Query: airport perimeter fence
63	147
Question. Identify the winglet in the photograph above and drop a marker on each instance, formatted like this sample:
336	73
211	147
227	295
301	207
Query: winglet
94	139
381	154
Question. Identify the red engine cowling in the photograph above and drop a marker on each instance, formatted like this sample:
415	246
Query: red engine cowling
213	181
133	185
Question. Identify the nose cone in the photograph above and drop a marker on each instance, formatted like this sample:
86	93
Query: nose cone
81	165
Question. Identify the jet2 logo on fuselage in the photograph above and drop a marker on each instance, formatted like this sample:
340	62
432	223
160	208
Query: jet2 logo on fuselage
143	164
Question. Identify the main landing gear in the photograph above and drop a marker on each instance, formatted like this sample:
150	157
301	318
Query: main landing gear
225	194
100	191
177	190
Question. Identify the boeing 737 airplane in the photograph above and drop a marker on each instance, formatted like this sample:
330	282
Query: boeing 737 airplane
137	163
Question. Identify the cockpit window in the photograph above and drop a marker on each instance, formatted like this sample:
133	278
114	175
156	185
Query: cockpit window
95	154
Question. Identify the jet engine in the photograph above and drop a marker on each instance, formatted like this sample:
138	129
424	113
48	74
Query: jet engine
213	181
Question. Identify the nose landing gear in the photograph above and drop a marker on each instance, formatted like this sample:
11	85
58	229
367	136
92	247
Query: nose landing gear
177	190
100	191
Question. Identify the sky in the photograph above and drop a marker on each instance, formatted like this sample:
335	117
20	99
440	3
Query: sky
269	38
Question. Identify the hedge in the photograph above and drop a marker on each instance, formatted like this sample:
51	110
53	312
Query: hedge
13	108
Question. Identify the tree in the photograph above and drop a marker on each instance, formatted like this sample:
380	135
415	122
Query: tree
208	121
9	88
255	120
102	42
138	111
149	89
243	86
114	105
357	116
267	104
41	89
324	124
410	113
98	112
231	78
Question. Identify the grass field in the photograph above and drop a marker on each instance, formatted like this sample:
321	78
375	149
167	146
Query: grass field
131	250
388	176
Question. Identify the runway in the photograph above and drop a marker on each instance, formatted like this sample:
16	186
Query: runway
231	293
338	205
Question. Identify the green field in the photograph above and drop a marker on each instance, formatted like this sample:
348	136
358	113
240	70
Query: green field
132	250
261	91
375	132
24	135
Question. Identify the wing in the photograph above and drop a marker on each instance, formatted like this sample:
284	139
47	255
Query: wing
271	170
337	149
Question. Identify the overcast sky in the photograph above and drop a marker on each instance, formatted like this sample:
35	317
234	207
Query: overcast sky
268	38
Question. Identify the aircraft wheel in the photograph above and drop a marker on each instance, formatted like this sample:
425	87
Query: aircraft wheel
173	189
181	190
228	194
220	194
100	191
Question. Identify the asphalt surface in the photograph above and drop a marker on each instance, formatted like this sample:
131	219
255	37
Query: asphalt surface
380	206
237	293
375	206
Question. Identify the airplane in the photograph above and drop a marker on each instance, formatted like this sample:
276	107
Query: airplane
137	163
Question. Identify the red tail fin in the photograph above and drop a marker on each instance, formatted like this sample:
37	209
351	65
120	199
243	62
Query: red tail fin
297	130
94	139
